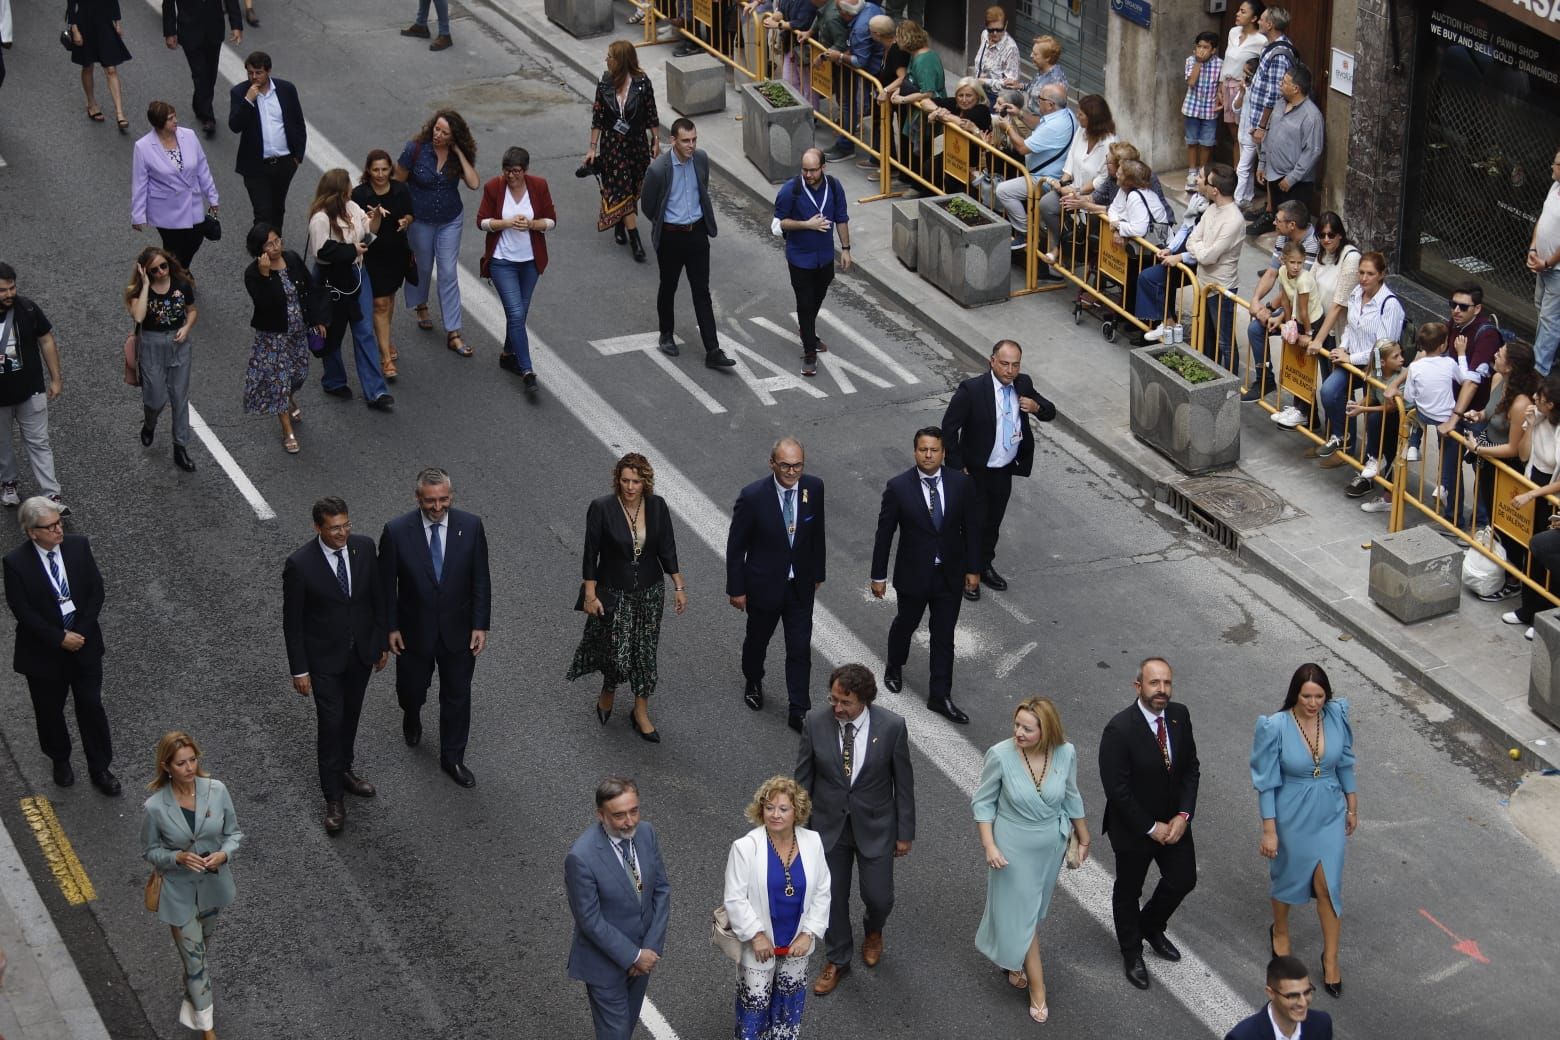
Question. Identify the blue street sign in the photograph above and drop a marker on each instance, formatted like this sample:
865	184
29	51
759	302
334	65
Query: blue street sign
1139	11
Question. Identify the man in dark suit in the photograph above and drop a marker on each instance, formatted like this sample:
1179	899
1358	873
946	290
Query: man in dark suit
937	514
1288	1010
676	198
435	566
197	26
56	592
775	561
266	115
988	437
333	620
621	901
854	761
1148	768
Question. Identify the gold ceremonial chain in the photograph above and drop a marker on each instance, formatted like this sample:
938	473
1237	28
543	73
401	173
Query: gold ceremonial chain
785	864
1044	767
633	526
1315	746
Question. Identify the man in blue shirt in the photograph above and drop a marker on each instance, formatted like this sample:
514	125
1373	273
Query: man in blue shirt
808	211
1044	149
676	198
865	52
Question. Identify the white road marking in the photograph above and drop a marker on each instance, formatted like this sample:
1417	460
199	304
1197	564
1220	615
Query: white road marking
1018	615
778	379
1192	980
1448	971
1011	661
235	472
646	343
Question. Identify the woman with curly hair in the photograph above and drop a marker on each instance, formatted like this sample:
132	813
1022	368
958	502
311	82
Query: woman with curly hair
623	140
433	166
629	548
161	299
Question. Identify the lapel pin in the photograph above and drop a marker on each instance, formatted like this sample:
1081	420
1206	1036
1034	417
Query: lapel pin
804	496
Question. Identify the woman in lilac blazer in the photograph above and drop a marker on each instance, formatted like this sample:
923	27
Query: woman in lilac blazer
170	184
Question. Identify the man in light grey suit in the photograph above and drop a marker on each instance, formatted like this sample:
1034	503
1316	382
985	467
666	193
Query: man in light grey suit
621	901
855	762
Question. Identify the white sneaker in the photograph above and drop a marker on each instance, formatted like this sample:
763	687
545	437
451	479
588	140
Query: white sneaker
1289	417
9	495
1376	505
1155	335
1372	467
1528	635
1437	493
1412	455
1191	179
1510	618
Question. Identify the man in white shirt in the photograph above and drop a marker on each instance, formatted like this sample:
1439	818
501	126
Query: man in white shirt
266	114
1287	1015
1543	259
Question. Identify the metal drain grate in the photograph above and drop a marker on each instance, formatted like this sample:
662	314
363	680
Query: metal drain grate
1226	508
1202	519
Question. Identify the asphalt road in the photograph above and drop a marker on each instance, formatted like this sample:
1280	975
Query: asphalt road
440	912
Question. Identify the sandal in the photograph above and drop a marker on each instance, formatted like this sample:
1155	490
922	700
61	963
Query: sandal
395	355
290	445
295	414
124	124
96	117
1016	979
458	345
250	17
423	321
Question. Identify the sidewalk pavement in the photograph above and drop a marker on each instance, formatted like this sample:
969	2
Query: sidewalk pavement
1317	545
43	996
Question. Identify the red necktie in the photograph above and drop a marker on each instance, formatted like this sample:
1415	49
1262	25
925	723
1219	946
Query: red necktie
1164	746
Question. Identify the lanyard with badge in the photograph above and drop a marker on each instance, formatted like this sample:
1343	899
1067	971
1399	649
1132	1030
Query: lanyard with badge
61	586
821	207
12	361
621	126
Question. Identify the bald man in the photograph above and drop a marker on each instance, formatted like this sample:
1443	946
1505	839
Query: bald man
809	212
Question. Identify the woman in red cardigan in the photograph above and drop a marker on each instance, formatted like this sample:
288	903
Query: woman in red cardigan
516	212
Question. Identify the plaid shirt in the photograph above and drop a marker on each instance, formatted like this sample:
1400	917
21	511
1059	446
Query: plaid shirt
1200	99
1264	93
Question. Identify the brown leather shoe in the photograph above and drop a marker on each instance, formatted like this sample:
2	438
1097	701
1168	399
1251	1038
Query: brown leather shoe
417	31
335	817
872	949
829	977
441	43
357	785
1332	461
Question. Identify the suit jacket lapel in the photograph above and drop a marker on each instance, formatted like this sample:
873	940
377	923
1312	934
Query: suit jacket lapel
614	863
424	553
327	572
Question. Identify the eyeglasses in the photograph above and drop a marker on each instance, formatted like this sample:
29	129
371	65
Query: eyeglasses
1460	306
338	528
1329	235
156	268
995	33
511	170
789	467
58	525
1298	995
811	169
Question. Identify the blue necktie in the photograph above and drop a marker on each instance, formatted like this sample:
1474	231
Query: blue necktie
63	584
436	549
937	510
1007	417
341	574
790	516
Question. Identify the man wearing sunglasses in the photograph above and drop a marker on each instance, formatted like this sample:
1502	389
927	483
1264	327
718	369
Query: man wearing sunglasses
1288	1013
1475	339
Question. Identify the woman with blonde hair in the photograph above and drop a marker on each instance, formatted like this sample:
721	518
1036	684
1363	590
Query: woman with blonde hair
777	902
189	835
624	137
161	300
339	236
1026	809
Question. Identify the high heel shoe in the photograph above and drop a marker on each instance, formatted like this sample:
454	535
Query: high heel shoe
1041	1013
603	716
249	16
1334	989
651	736
1016	979
620	234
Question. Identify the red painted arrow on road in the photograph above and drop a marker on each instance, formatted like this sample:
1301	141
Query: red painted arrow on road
1461	945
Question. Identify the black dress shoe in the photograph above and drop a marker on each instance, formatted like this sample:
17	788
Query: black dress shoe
1136	970
1334	989
335	817
509	362
945	707
668	346
106	782
795	721
990	577
357	785
1161	945
209	126
718	358
343	392
181	458
64	775
147	434
459	773
893	681
753	696
973	595
382	403
411	729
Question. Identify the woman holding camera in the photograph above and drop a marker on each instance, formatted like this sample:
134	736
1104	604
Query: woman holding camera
623	140
340	233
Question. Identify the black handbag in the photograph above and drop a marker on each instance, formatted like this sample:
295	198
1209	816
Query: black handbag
65	40
611	599
211	227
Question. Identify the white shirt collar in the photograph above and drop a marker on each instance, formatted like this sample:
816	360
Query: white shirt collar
781	489
43	555
1150	716
330	554
1278	1034
928	476
429	523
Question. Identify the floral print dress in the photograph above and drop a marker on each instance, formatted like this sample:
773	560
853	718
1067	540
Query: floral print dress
279	361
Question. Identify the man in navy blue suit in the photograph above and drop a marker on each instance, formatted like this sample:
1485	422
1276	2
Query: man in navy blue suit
775	561
1287	1013
938	517
435	566
196	25
621	901
266	114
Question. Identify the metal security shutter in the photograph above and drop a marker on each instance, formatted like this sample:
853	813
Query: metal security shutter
1079	25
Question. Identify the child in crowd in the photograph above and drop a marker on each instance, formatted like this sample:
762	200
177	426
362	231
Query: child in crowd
1431	389
1297	318
1381	430
1202	104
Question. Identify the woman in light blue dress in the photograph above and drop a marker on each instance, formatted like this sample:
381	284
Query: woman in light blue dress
1302	765
1025	808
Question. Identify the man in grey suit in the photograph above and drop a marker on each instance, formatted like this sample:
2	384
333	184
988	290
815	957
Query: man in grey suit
855	763
676	198
621	901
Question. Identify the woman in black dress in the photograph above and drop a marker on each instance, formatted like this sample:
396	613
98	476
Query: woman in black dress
388	255
95	31
624	136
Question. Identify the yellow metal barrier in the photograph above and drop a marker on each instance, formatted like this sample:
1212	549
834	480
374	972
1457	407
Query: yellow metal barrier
845	99
1093	257
719	27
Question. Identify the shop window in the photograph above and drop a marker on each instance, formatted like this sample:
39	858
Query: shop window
1078	26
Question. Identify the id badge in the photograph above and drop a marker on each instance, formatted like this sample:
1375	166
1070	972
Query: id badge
621	126
67	607
1016	438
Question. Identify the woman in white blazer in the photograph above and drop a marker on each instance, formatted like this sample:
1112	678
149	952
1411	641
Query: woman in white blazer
170	184
189	836
777	900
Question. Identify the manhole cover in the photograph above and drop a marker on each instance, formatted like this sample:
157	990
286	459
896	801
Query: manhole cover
1243	505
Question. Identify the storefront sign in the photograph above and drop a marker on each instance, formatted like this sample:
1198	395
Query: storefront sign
1543	15
1341	76
1141	12
1297	372
1480	39
1508	518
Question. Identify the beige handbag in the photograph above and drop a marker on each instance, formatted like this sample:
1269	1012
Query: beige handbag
1073	857
154	890
722	937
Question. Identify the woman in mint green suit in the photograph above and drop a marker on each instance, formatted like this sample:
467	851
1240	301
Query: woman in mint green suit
1302	765
1025	808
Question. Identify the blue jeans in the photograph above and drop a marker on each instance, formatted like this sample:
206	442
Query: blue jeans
515	281
365	347
1335	396
443	9
1451	476
1219	326
1152	284
1546	296
1256	335
441	243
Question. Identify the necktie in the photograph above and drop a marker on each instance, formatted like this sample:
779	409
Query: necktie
436	550
1164	745
790	516
1008	423
62	583
936	506
627	846
848	749
341	574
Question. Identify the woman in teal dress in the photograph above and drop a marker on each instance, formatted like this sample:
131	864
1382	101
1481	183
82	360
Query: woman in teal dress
1302	765
1025	808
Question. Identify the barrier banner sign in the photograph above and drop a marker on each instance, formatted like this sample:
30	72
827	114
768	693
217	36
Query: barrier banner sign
703	14
1508	518
822	75
1113	257
956	156
1297	373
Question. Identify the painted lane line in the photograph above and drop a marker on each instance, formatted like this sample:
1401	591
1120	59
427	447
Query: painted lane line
904	374
1011	661
838	368
647	343
58	852
230	466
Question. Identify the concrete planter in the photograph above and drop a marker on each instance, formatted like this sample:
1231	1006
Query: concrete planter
581	18
696	84
970	264
1197	427
774	138
1544	679
905	217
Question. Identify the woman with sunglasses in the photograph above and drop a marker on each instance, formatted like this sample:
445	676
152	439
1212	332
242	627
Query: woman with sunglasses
161	299
996	61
